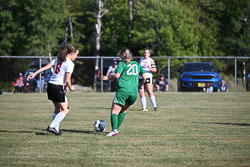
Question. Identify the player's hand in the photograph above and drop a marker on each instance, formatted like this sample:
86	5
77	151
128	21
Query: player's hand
30	77
72	88
105	78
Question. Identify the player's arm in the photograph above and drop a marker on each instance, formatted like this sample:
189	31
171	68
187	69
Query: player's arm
166	87
157	82
113	77
48	66
68	81
153	66
116	75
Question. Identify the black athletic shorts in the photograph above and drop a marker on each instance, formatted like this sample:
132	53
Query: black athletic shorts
56	93
148	80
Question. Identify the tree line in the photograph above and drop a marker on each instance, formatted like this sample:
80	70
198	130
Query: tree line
103	27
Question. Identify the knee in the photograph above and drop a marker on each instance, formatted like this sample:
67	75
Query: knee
65	111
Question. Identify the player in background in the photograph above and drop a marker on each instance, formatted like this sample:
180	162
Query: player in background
63	67
148	65
128	72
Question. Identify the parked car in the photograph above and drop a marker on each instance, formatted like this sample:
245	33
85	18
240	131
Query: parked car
248	82
195	76
32	82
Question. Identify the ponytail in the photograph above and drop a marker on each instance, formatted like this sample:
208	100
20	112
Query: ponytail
61	57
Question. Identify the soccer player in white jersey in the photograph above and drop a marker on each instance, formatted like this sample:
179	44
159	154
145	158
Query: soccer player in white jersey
148	65
63	67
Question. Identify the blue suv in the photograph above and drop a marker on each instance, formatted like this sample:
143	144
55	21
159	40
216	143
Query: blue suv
196	75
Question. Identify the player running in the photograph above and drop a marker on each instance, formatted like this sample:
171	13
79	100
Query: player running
63	68
126	93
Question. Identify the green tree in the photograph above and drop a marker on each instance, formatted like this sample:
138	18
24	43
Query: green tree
115	27
44	25
234	30
205	14
166	27
11	30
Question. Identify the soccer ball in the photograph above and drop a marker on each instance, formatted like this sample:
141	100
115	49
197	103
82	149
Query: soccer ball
99	125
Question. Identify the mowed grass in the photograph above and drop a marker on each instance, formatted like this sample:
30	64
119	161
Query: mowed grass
190	129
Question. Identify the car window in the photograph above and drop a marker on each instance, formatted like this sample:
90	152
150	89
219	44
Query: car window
198	67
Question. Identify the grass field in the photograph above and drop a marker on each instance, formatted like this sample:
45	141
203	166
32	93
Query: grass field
190	129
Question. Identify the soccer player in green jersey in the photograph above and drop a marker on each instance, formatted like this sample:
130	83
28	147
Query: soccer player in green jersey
126	93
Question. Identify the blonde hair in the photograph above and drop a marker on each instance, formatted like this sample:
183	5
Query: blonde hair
126	55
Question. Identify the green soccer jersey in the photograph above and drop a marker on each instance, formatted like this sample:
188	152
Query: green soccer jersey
128	80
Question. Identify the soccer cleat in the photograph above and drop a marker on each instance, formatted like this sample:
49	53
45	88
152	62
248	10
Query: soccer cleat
155	109
144	109
113	133
54	131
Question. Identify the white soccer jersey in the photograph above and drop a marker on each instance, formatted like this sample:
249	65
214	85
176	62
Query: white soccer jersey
111	70
60	70
145	63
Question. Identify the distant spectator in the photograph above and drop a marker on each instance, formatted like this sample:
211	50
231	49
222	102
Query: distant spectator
209	88
223	87
13	87
19	85
110	73
161	84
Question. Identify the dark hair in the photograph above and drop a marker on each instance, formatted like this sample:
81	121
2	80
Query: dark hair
71	49
61	57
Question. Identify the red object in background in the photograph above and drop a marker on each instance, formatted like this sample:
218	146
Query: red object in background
13	84
98	74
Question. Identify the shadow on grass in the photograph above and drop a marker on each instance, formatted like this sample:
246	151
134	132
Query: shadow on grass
15	131
46	133
221	123
97	108
84	131
28	132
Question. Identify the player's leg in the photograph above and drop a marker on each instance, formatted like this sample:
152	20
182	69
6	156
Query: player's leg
59	98
118	102
116	108
61	115
129	101
122	115
54	126
143	99
57	109
150	88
